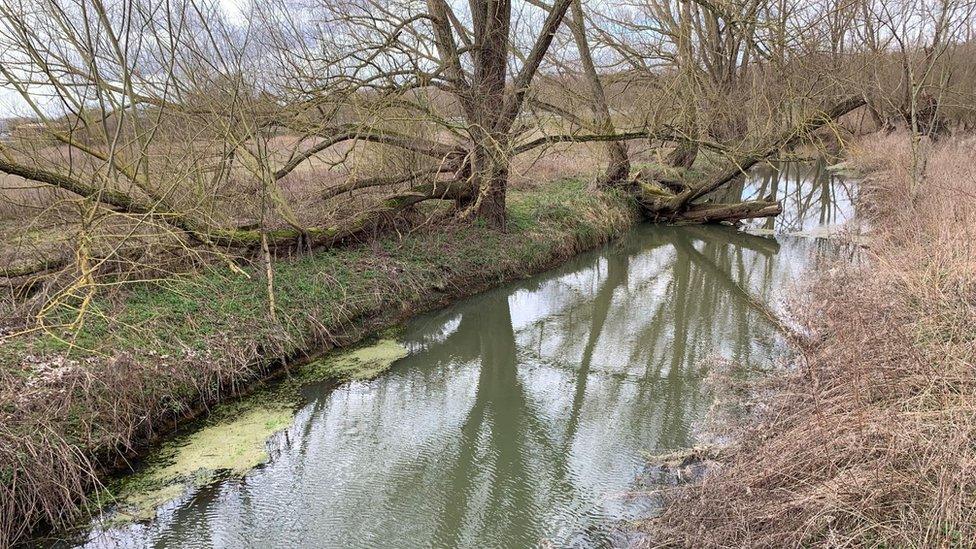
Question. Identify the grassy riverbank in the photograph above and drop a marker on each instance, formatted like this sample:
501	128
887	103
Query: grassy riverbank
872	440
73	404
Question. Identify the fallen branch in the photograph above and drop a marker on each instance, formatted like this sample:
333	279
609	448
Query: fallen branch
742	164
432	149
29	269
380	181
329	236
737	211
674	202
584	138
108	197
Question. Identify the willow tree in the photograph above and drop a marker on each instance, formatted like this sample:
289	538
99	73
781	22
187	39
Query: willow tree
478	76
402	59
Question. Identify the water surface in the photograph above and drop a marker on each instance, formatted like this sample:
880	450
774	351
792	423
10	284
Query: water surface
522	416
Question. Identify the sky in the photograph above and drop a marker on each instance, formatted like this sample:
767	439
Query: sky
12	104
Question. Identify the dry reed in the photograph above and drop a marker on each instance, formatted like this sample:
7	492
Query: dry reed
871	440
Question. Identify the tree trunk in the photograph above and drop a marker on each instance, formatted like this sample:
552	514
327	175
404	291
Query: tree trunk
618	162
489	111
492	20
491	180
618	165
683	155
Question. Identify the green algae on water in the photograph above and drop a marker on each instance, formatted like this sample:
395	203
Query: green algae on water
230	447
362	363
236	439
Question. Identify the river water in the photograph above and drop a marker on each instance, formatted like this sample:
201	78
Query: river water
523	416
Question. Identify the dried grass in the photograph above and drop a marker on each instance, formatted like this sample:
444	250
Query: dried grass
871	442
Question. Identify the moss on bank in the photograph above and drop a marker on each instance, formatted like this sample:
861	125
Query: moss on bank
73	402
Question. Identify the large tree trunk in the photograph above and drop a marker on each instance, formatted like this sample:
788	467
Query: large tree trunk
489	206
489	176
618	162
489	111
489	170
618	165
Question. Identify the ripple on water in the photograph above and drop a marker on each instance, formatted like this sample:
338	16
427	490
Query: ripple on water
521	417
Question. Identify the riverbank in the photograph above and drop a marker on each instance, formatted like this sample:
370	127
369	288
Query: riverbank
76	405
871	440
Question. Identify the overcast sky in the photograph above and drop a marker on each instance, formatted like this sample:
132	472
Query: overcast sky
12	104
9	103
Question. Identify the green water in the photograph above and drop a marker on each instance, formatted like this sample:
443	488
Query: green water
521	417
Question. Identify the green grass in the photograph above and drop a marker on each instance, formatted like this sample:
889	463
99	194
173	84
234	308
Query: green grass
334	287
145	358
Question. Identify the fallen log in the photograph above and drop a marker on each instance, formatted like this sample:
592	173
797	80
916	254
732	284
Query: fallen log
316	237
675	200
736	211
246	237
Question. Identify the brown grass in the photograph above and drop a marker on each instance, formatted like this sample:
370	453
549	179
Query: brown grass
871	441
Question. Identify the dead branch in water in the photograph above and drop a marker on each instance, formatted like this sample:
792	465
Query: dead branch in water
674	200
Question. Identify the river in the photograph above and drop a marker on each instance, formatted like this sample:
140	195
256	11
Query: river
523	416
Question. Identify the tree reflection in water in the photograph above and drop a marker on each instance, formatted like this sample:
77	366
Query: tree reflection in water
812	196
522	414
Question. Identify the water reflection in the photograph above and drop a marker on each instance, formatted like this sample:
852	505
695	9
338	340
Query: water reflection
521	415
815	199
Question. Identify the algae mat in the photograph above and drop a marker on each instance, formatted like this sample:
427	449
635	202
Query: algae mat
235	440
